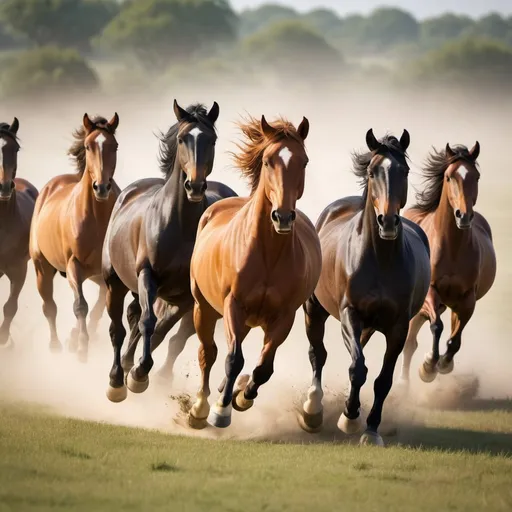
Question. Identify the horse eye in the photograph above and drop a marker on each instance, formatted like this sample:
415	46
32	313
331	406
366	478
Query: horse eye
447	178
265	163
180	141
370	174
87	147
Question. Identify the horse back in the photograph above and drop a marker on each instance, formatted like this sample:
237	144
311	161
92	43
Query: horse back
341	210
217	191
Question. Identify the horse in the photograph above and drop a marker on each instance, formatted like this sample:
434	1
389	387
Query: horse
375	276
69	224
149	245
463	262
17	200
255	262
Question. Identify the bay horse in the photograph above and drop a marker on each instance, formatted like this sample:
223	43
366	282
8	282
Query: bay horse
149	245
375	276
463	259
17	200
255	262
69	224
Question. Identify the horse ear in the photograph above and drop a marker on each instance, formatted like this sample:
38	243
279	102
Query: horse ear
266	128
181	113
303	128
88	124
405	140
114	122
475	151
372	143
14	126
213	115
449	151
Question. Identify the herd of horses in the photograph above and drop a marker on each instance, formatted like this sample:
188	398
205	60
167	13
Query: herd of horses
190	250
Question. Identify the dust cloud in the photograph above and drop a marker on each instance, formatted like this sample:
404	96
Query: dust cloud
339	120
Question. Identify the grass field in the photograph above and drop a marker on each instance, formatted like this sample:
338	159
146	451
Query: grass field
55	463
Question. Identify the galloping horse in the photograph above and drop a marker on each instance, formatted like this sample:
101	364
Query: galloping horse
463	258
69	225
149	244
375	277
255	262
17	199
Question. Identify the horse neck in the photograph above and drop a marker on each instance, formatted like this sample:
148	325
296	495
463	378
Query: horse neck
8	210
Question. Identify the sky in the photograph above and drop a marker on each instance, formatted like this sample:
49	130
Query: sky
420	8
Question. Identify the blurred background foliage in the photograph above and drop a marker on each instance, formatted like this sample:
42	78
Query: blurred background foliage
73	44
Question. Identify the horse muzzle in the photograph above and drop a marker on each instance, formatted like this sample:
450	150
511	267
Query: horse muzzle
283	221
195	191
6	190
101	191
463	220
389	226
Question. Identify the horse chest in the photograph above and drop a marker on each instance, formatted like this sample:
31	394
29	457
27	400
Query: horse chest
452	287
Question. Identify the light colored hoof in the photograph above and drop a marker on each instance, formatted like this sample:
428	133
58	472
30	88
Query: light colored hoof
426	375
8	345
136	386
55	348
82	355
220	417
117	395
311	423
447	368
196	423
370	438
348	426
240	403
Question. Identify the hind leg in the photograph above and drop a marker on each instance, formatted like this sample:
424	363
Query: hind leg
98	309
45	274
17	277
411	344
133	314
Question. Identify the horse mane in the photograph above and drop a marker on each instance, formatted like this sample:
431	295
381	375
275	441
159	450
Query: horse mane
77	149
168	148
433	173
4	131
250	158
361	160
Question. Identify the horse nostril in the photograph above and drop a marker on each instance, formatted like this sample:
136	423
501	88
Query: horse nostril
12	185
95	186
458	213
293	215
472	216
188	186
204	186
275	216
397	220
109	186
380	219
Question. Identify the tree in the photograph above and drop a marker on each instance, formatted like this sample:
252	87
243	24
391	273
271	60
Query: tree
59	22
46	69
493	26
437	31
252	20
325	21
160	31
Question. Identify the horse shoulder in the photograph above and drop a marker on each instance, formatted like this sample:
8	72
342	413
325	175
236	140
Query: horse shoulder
220	207
482	225
341	209
217	190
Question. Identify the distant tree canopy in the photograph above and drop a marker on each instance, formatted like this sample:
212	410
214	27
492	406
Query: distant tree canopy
46	69
252	20
325	21
386	27
68	23
160	31
494	26
437	31
292	49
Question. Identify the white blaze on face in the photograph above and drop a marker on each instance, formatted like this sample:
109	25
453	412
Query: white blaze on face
386	165
462	171
3	142
100	140
285	155
195	132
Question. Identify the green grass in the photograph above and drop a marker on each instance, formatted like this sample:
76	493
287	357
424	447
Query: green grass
54	463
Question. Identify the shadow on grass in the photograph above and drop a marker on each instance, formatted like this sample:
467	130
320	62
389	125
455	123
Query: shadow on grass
486	404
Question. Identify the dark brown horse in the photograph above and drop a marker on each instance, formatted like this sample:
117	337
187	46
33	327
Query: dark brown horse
375	276
463	258
17	200
255	262
150	240
69	225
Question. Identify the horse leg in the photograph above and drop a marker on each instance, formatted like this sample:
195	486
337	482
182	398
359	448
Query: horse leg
312	410
205	319
45	274
351	329
411	345
116	293
97	310
17	276
236	331
74	274
177	344
460	317
395	342
366	334
133	313
138	377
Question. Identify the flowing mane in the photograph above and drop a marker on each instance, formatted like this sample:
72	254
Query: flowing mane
169	142
77	149
250	158
433	174
361	161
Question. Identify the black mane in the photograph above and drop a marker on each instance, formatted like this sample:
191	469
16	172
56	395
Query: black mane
4	131
433	173
169	143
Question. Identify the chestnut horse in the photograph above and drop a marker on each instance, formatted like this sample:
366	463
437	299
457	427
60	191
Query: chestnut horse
375	277
463	258
255	262
17	199
69	225
149	244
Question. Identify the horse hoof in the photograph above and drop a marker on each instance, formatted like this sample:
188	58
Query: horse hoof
349	426
82	355
220	417
8	345
311	423
426	375
55	348
240	403
117	395
446	368
136	386
370	438
196	423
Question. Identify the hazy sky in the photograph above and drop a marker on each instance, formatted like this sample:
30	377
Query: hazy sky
421	8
